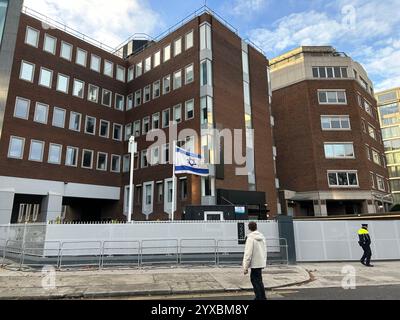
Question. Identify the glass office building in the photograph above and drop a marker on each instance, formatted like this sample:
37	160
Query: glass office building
389	116
3	13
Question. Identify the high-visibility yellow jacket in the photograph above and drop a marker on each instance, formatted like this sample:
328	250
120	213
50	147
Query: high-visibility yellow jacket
364	238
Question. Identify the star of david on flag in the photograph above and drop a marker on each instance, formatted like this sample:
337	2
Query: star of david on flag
191	163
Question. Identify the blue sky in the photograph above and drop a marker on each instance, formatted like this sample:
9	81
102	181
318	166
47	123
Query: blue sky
368	30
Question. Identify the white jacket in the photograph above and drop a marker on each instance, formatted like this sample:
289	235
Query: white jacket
255	252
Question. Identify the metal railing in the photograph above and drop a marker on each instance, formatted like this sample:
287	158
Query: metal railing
134	253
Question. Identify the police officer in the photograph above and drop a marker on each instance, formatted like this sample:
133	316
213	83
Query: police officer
365	243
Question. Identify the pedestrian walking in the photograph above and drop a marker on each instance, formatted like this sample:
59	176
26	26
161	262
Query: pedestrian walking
255	258
364	240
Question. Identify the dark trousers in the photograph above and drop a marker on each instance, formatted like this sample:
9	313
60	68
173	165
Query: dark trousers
258	285
367	254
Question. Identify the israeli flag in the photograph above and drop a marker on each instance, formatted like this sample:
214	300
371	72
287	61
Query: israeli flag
186	162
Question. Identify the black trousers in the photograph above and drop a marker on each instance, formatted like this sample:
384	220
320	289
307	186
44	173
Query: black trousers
367	254
258	285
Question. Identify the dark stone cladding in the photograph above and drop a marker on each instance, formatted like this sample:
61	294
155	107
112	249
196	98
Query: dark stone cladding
301	164
228	110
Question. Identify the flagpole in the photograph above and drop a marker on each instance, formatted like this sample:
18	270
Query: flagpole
173	181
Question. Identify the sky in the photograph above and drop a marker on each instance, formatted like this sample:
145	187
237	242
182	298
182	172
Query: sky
367	30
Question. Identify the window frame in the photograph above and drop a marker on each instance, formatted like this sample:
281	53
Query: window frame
119	163
12	137
24	62
191	32
103	91
148	87
50	85
335	157
37	37
154	90
176	52
97	162
76	157
89	95
27	110
83	89
108	128
64	43
80	121
167	57
42	143
46	36
64	117
109	63
337	179
180	82
94	125
79	50
186	109
47	112
123	69
115	102
93	57
60	153
164	92
91	159
186	73
121	132
58	82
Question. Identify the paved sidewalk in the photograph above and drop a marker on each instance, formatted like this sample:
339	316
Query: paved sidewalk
144	282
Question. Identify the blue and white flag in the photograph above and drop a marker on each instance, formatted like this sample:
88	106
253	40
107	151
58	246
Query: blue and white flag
186	162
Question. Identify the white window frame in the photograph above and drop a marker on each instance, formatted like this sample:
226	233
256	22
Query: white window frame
41	153
47	113
343	171
97	162
94	126
138	94
128	131
205	36
157	59
111	72
176	87
154	90
144	94
130	97
102	97
27	111
138	69
157	114
118	75
79	50
121	135
83	159
113	156
54	49
178	52
341	117
70	119
93	57
143	156
339	144
58	82
337	97
191	34
146	119
186	73
22	149
164	91
380	179
115	101
131	74
176	107
169	120
64	117
167	57
83	89
137	125
59	154
37	36
23	62
147	65
186	109
76	156
49	86
66	44
97	96
108	128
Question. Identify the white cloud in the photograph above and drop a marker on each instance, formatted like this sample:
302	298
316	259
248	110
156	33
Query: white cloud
247	7
110	22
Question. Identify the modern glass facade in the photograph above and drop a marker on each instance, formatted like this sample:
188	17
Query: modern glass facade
3	14
389	116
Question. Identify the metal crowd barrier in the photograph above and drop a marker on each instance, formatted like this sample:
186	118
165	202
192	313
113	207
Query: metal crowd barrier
135	254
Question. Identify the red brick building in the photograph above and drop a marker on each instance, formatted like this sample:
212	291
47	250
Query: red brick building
330	155
71	105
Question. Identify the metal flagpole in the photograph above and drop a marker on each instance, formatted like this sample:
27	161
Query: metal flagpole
132	151
173	181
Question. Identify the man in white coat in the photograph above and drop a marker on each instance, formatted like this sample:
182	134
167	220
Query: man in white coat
255	258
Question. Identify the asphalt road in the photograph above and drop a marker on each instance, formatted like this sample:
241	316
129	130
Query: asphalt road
361	293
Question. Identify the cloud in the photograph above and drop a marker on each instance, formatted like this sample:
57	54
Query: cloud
247	7
110	22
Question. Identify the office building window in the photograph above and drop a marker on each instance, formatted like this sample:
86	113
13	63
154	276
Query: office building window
189	74
126	163
376	157
335	122
102	161
62	83
372	132
156	89
121	74
166	84
146	125
87	159
50	44
31	36
139	69
136	128
147	94
131	74
79	89
95	63
380	183
108	68
129	102
41	113
115	163
155	156
330	72
143	161
106	98
81	57
177	79
58	118
147	64
343	179
332	97
339	151
104	129
189	109
55	151
160	192
207	186
66	51
368	152
157	59
16	148
167	53
205	37
93	93
45	77
117	132
177	47
90	125
21	109
205	73
119	102
206	106
156	121
189	40
178	113
75	121
71	157
36	151
165	154
128	131
166	118
27	71
138	98
183	188
148	196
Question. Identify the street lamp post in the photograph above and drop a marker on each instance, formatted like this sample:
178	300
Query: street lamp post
132	149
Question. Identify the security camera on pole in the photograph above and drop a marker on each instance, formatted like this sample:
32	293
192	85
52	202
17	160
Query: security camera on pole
132	149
